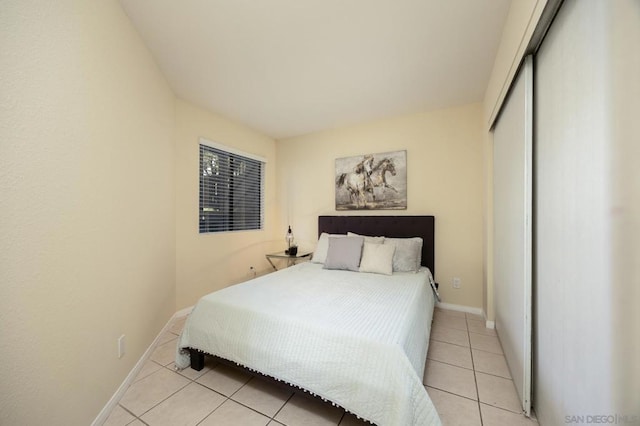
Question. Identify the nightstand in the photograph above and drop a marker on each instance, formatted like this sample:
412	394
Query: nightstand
291	260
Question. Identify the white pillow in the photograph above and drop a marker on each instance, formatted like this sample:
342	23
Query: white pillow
377	258
320	253
408	254
367	239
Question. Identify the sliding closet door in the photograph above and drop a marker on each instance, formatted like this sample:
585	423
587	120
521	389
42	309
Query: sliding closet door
587	191
512	188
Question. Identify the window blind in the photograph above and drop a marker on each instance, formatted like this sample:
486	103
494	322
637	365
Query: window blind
231	191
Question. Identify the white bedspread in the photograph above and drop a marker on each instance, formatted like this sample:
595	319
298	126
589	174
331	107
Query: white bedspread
357	339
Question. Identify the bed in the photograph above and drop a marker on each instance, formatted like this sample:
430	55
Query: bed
357	339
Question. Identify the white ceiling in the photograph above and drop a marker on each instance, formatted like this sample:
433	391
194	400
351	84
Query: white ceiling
291	67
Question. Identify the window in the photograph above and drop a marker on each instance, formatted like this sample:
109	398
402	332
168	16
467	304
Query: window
231	189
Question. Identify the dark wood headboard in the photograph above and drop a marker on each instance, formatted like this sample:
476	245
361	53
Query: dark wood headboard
388	226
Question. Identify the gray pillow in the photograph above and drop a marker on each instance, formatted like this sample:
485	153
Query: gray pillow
344	253
408	254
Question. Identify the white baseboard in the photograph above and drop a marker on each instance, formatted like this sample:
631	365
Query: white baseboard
461	308
106	411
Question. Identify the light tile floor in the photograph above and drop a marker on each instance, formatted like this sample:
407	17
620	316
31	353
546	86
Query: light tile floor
466	377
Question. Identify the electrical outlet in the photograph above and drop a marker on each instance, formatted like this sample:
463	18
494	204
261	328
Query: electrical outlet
456	282
252	272
121	343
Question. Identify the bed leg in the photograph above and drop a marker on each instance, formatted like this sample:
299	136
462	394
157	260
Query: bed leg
197	359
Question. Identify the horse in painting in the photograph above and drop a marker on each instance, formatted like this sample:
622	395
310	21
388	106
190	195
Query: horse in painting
364	179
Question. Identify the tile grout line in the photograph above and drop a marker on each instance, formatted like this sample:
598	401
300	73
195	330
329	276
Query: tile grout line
475	378
212	390
251	408
506	410
448	363
280	409
451	393
473	368
214	410
191	381
128	411
140	416
468	333
442	341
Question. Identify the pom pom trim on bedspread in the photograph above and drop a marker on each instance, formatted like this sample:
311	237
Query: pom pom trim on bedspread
186	351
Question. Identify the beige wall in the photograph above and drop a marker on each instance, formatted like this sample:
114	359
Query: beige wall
87	207
518	29
444	165
208	262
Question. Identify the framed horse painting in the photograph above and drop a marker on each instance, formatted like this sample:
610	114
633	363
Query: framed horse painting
372	181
